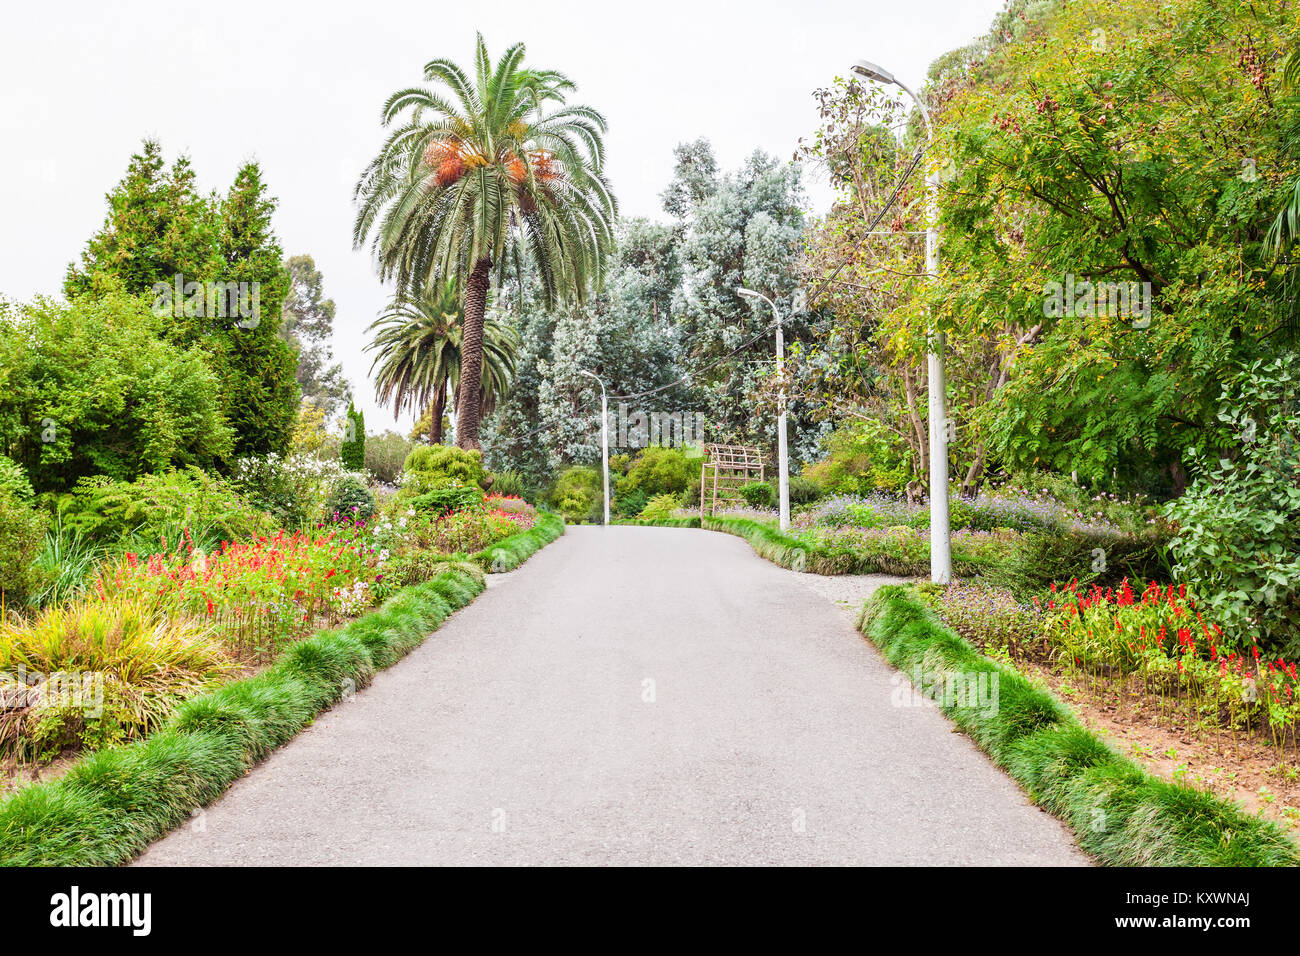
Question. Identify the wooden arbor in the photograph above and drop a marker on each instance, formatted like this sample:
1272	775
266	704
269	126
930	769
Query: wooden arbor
727	469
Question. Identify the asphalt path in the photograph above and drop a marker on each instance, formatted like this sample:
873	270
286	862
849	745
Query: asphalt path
630	696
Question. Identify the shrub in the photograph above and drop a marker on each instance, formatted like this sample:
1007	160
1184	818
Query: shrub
804	491
156	506
441	501
353	450
88	387
577	493
66	561
143	663
862	457
350	498
22	530
511	483
758	494
13	479
659	471
436	466
630	503
1239	522
294	489
660	508
385	454
1099	553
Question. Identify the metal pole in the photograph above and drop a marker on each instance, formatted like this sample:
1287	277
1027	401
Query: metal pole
604	438
604	447
940	534
782	453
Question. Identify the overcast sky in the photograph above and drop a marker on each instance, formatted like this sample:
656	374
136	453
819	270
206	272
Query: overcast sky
298	86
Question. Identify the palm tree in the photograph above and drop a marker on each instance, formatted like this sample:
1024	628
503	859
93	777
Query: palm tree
478	175
418	345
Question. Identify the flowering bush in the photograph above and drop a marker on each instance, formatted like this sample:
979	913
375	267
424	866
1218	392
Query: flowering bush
257	594
1163	638
295	489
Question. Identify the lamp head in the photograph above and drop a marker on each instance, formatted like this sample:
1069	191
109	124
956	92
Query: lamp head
869	70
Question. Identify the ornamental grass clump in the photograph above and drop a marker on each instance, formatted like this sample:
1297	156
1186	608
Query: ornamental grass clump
98	671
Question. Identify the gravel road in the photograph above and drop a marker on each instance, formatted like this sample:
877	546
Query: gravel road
631	696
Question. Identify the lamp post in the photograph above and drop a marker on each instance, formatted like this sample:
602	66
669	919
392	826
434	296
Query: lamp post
940	536
604	439
783	465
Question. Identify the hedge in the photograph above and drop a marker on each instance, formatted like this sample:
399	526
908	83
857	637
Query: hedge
112	804
1120	813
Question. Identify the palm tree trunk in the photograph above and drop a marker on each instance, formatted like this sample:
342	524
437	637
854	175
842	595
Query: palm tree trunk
436	409
471	356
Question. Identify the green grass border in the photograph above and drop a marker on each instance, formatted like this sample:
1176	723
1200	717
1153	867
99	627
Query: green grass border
508	553
112	804
659	522
1120	814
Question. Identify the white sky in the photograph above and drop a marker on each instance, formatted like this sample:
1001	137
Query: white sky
298	86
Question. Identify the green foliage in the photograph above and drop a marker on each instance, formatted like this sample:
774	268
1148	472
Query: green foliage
13	479
160	237
67	559
1064	767
451	498
804	491
861	457
353	449
759	494
22	529
208	508
1094	554
111	805
350	498
512	483
659	470
295	490
660	508
385	454
436	466
577	494
1239	523
87	387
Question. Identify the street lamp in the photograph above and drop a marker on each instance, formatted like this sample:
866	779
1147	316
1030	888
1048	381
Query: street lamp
940	537
783	465
604	439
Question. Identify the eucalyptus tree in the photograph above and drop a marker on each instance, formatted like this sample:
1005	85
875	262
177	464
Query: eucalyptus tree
419	357
482	172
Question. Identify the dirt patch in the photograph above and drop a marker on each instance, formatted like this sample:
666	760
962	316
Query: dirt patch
1241	768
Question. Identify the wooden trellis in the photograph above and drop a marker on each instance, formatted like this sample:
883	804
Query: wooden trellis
727	469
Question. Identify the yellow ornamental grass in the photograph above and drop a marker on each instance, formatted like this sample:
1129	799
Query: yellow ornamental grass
99	670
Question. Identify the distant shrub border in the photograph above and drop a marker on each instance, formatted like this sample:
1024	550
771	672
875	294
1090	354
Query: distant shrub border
1120	814
114	803
660	522
508	553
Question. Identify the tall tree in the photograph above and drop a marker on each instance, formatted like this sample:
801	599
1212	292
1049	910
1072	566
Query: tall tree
158	227
260	369
307	324
491	171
